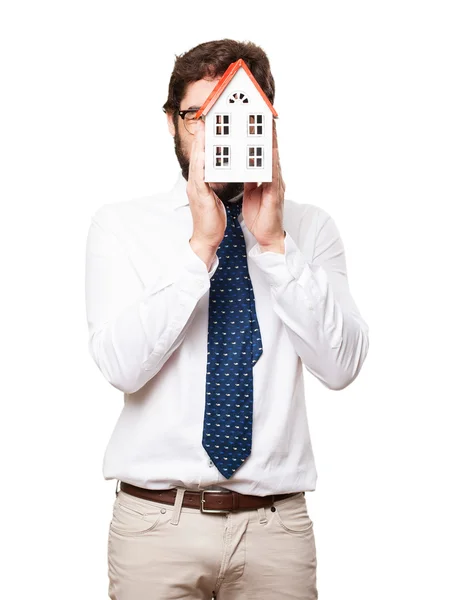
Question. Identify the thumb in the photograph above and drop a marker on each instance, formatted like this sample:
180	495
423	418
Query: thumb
249	187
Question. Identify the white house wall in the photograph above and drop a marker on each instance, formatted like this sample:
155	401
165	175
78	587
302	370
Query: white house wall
239	139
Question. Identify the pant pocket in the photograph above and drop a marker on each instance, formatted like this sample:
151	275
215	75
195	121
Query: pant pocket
133	516
292	515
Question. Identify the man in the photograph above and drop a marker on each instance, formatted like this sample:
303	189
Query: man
204	304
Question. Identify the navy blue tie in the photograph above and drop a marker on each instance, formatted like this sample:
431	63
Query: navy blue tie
233	347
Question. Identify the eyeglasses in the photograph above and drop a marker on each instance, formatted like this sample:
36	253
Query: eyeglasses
188	119
187	116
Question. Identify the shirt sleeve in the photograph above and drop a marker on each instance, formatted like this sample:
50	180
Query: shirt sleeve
314	302
133	328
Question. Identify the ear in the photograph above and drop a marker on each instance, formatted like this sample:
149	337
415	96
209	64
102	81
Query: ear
171	125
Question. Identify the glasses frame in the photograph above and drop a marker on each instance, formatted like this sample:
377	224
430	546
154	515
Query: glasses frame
182	114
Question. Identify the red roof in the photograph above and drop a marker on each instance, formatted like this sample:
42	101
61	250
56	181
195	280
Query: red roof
223	82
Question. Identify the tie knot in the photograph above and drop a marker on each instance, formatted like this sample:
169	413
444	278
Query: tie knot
234	208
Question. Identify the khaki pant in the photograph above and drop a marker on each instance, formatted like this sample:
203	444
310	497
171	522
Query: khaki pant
161	552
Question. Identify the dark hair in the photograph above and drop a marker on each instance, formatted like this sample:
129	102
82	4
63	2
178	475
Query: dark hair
210	60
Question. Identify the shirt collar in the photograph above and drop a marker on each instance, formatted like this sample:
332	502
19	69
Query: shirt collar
179	196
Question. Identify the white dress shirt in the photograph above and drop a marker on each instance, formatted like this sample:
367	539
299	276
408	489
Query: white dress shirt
147	295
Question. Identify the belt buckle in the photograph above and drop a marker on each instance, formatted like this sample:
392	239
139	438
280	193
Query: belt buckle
210	510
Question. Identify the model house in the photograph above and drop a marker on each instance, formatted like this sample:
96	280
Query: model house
238	128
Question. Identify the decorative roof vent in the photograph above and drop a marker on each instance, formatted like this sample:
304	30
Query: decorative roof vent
238	98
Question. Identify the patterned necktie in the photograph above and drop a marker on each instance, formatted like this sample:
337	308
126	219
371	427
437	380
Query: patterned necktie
234	345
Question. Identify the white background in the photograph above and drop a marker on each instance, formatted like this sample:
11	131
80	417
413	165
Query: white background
362	96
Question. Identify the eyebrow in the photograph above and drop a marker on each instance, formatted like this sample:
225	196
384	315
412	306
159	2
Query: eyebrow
195	107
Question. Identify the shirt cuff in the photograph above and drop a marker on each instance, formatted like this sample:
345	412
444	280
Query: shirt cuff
196	265
195	269
280	268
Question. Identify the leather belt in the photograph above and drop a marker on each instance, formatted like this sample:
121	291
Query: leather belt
207	501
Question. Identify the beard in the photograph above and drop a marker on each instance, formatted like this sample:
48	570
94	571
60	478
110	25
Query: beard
225	191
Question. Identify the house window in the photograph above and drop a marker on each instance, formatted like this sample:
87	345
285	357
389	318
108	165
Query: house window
255	124
222	124
255	157
222	157
238	98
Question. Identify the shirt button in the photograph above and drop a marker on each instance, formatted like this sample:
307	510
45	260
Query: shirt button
211	464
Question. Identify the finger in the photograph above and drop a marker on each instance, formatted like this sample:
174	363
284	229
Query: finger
200	153
195	158
277	179
203	188
248	187
192	159
275	159
275	134
278	161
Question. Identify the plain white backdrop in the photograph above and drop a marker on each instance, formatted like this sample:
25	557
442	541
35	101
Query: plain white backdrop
362	96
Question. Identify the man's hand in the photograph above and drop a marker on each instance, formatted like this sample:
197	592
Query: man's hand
263	206
208	211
